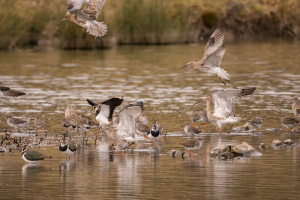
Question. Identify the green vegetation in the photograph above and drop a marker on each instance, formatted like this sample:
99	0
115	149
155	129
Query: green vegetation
34	22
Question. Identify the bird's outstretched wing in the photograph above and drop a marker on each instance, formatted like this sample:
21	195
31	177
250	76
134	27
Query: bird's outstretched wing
128	115
224	99
7	92
91	102
214	42
75	4
93	8
108	106
215	59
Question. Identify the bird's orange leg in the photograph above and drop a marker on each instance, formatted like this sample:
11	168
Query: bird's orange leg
122	153
205	126
196	125
192	152
145	136
193	124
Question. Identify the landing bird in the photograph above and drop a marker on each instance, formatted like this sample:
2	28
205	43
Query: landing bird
7	92
31	156
154	134
257	122
288	122
87	16
128	117
15	122
199	115
211	61
192	144
79	120
67	149
104	111
220	105
191	131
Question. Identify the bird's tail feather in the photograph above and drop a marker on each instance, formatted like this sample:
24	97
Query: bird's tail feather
222	74
97	29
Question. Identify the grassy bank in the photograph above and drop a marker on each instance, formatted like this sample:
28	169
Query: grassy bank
34	22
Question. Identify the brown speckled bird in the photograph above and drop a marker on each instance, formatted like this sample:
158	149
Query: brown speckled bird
78	119
288	122
87	16
212	58
7	92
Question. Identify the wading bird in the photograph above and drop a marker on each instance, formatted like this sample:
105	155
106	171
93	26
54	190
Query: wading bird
79	120
288	122
211	61
199	115
31	156
192	144
220	105
191	131
257	122
87	16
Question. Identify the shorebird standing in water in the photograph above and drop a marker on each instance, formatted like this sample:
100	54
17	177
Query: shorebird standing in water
199	115
257	122
7	92
87	16
79	120
288	122
211	61
220	105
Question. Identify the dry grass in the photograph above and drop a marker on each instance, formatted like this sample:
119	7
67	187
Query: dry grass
34	22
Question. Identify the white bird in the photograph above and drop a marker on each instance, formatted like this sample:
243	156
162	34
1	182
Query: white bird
212	58
87	16
220	105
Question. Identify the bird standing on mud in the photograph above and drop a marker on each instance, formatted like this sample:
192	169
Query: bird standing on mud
87	16
211	61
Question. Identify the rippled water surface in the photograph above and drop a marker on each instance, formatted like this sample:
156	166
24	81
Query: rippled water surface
54	79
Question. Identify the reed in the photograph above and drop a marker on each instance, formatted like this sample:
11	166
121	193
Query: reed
29	23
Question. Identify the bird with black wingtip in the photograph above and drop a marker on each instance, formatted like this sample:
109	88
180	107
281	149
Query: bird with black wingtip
104	110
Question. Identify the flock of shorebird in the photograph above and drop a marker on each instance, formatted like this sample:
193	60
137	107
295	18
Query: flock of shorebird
130	124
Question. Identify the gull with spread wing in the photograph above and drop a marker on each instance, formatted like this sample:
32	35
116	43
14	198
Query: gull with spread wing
211	61
220	105
87	16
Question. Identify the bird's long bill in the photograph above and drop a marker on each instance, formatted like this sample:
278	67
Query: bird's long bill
197	102
61	21
184	66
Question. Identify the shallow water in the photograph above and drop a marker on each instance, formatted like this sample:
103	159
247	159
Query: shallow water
54	79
